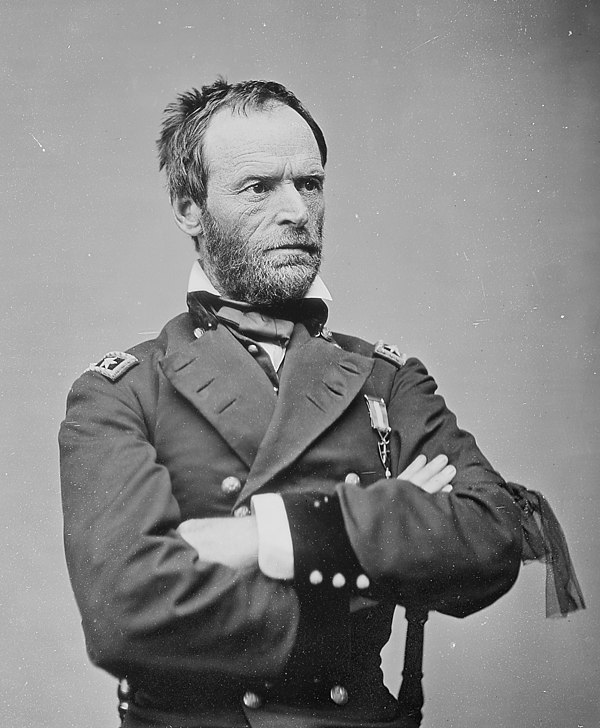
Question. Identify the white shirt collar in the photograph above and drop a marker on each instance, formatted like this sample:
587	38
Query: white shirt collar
198	281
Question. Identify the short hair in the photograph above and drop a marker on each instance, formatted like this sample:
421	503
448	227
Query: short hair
186	120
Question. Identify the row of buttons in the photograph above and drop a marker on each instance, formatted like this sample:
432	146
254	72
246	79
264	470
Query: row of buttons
338	694
339	580
232	485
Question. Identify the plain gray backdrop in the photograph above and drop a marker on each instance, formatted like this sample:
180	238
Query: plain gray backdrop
462	225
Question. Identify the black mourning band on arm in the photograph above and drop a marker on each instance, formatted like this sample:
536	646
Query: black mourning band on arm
544	540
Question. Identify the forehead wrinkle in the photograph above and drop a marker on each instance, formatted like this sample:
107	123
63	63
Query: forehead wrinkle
268	154
232	139
275	167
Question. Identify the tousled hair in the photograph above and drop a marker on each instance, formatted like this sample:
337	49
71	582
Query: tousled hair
180	145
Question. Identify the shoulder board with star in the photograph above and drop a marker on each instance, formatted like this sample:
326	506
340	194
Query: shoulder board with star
114	365
390	352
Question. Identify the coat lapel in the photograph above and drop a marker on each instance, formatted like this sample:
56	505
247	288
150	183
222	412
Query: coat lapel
226	385
318	382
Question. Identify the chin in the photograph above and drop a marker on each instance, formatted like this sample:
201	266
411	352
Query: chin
287	283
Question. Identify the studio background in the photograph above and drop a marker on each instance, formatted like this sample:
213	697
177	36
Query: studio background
462	224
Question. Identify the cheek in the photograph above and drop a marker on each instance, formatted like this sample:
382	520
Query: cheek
240	218
316	210
259	217
252	212
251	221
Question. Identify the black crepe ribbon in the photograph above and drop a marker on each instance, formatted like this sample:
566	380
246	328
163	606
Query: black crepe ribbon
544	540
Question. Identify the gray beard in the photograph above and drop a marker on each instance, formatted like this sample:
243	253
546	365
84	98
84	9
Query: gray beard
243	272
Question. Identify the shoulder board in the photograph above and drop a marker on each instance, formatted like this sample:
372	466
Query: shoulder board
114	364
390	352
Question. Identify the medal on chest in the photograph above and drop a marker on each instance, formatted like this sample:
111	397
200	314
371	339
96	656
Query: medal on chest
380	423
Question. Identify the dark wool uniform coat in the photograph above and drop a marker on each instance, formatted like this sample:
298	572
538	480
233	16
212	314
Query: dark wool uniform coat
145	452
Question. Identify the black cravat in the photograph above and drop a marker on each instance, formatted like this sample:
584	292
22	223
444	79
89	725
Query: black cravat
255	324
264	323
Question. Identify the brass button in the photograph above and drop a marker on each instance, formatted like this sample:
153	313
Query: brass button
326	334
352	479
315	577
339	694
338	581
231	485
362	581
253	349
241	512
252	700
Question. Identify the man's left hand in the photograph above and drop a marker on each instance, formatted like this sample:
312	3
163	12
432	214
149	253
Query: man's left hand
433	477
232	542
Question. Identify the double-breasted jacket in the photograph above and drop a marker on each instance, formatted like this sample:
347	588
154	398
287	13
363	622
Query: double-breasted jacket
145	452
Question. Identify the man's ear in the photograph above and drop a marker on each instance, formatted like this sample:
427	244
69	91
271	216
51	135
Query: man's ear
188	216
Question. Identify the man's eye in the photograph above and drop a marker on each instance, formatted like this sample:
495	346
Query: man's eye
258	188
310	185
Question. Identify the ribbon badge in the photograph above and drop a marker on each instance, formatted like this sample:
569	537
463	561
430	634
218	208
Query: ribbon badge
381	424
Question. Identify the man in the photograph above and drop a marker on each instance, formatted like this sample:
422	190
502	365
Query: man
353	486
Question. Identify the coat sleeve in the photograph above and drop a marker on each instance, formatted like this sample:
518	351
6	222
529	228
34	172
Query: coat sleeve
455	552
152	610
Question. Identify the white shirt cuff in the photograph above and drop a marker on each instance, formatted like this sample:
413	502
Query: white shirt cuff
275	550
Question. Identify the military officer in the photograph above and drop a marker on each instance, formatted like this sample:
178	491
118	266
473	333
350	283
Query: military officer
247	497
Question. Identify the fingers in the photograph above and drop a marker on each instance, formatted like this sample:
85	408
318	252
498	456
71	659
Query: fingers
417	465
431	477
431	470
439	480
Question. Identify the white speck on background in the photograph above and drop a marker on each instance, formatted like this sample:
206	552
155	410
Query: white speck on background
38	142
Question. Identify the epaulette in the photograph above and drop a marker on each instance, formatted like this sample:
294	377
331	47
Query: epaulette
114	364
390	352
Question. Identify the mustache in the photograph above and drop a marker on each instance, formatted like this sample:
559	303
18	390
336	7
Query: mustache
297	239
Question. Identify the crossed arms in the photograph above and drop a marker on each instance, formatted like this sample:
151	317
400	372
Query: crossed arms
161	600
236	542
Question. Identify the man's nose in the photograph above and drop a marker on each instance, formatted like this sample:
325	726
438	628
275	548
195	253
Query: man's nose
292	206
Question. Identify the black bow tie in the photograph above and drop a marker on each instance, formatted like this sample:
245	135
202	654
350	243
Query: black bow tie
263	323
